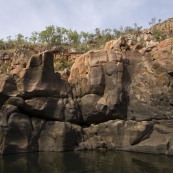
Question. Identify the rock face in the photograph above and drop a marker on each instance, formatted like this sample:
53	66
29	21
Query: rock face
7	88
166	27
39	78
114	98
25	135
96	80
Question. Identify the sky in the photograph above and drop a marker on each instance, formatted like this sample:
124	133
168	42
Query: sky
26	16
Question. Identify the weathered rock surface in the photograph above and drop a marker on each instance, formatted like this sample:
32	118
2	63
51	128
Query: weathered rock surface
117	99
15	138
25	135
53	108
96	78
39	78
8	88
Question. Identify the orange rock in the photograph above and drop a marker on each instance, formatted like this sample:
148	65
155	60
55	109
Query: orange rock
166	43
16	70
110	45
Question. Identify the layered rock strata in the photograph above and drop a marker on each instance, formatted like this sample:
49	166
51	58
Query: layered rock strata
115	99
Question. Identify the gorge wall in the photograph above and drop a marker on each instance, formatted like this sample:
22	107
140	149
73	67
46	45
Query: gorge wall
117	98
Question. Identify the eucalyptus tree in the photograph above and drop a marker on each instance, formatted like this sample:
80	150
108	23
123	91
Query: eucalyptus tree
1	43
73	37
20	38
152	22
34	37
48	35
84	37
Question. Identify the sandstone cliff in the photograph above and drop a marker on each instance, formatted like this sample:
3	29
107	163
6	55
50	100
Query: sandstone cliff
117	98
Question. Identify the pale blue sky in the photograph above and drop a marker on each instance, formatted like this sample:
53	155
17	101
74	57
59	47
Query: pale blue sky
25	16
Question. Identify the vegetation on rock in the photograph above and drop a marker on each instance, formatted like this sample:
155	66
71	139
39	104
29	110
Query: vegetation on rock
67	44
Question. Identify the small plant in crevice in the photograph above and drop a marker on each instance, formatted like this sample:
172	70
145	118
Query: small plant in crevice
62	63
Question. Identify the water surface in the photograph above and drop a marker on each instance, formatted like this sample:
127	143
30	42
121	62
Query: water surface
100	161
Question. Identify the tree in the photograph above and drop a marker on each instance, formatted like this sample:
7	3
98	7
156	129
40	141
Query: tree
91	36
97	32
137	29
19	38
106	34
26	39
73	37
9	42
9	38
84	36
128	30
61	35
153	21
135	26
121	29
34	37
117	33
1	43
48	35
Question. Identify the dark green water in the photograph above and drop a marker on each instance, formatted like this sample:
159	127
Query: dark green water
100	161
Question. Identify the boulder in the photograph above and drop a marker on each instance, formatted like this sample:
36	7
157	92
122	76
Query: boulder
16	101
45	107
57	136
111	133
110	45
100	81
7	110
89	111
51	108
152	44
7	88
39	78
116	44
138	46
72	111
166	43
16	136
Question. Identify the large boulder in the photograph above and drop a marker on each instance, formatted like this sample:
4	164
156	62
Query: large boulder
7	88
96	78
166	43
145	136
45	107
50	108
16	136
116	44
90	110
57	136
39	78
16	101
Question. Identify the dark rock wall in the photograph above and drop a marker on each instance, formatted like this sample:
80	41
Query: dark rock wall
115	100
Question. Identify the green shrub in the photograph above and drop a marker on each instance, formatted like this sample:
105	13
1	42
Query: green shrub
157	34
4	68
63	64
1	44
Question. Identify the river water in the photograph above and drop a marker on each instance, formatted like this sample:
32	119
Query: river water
100	161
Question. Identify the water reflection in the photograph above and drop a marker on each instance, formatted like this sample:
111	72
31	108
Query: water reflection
101	161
